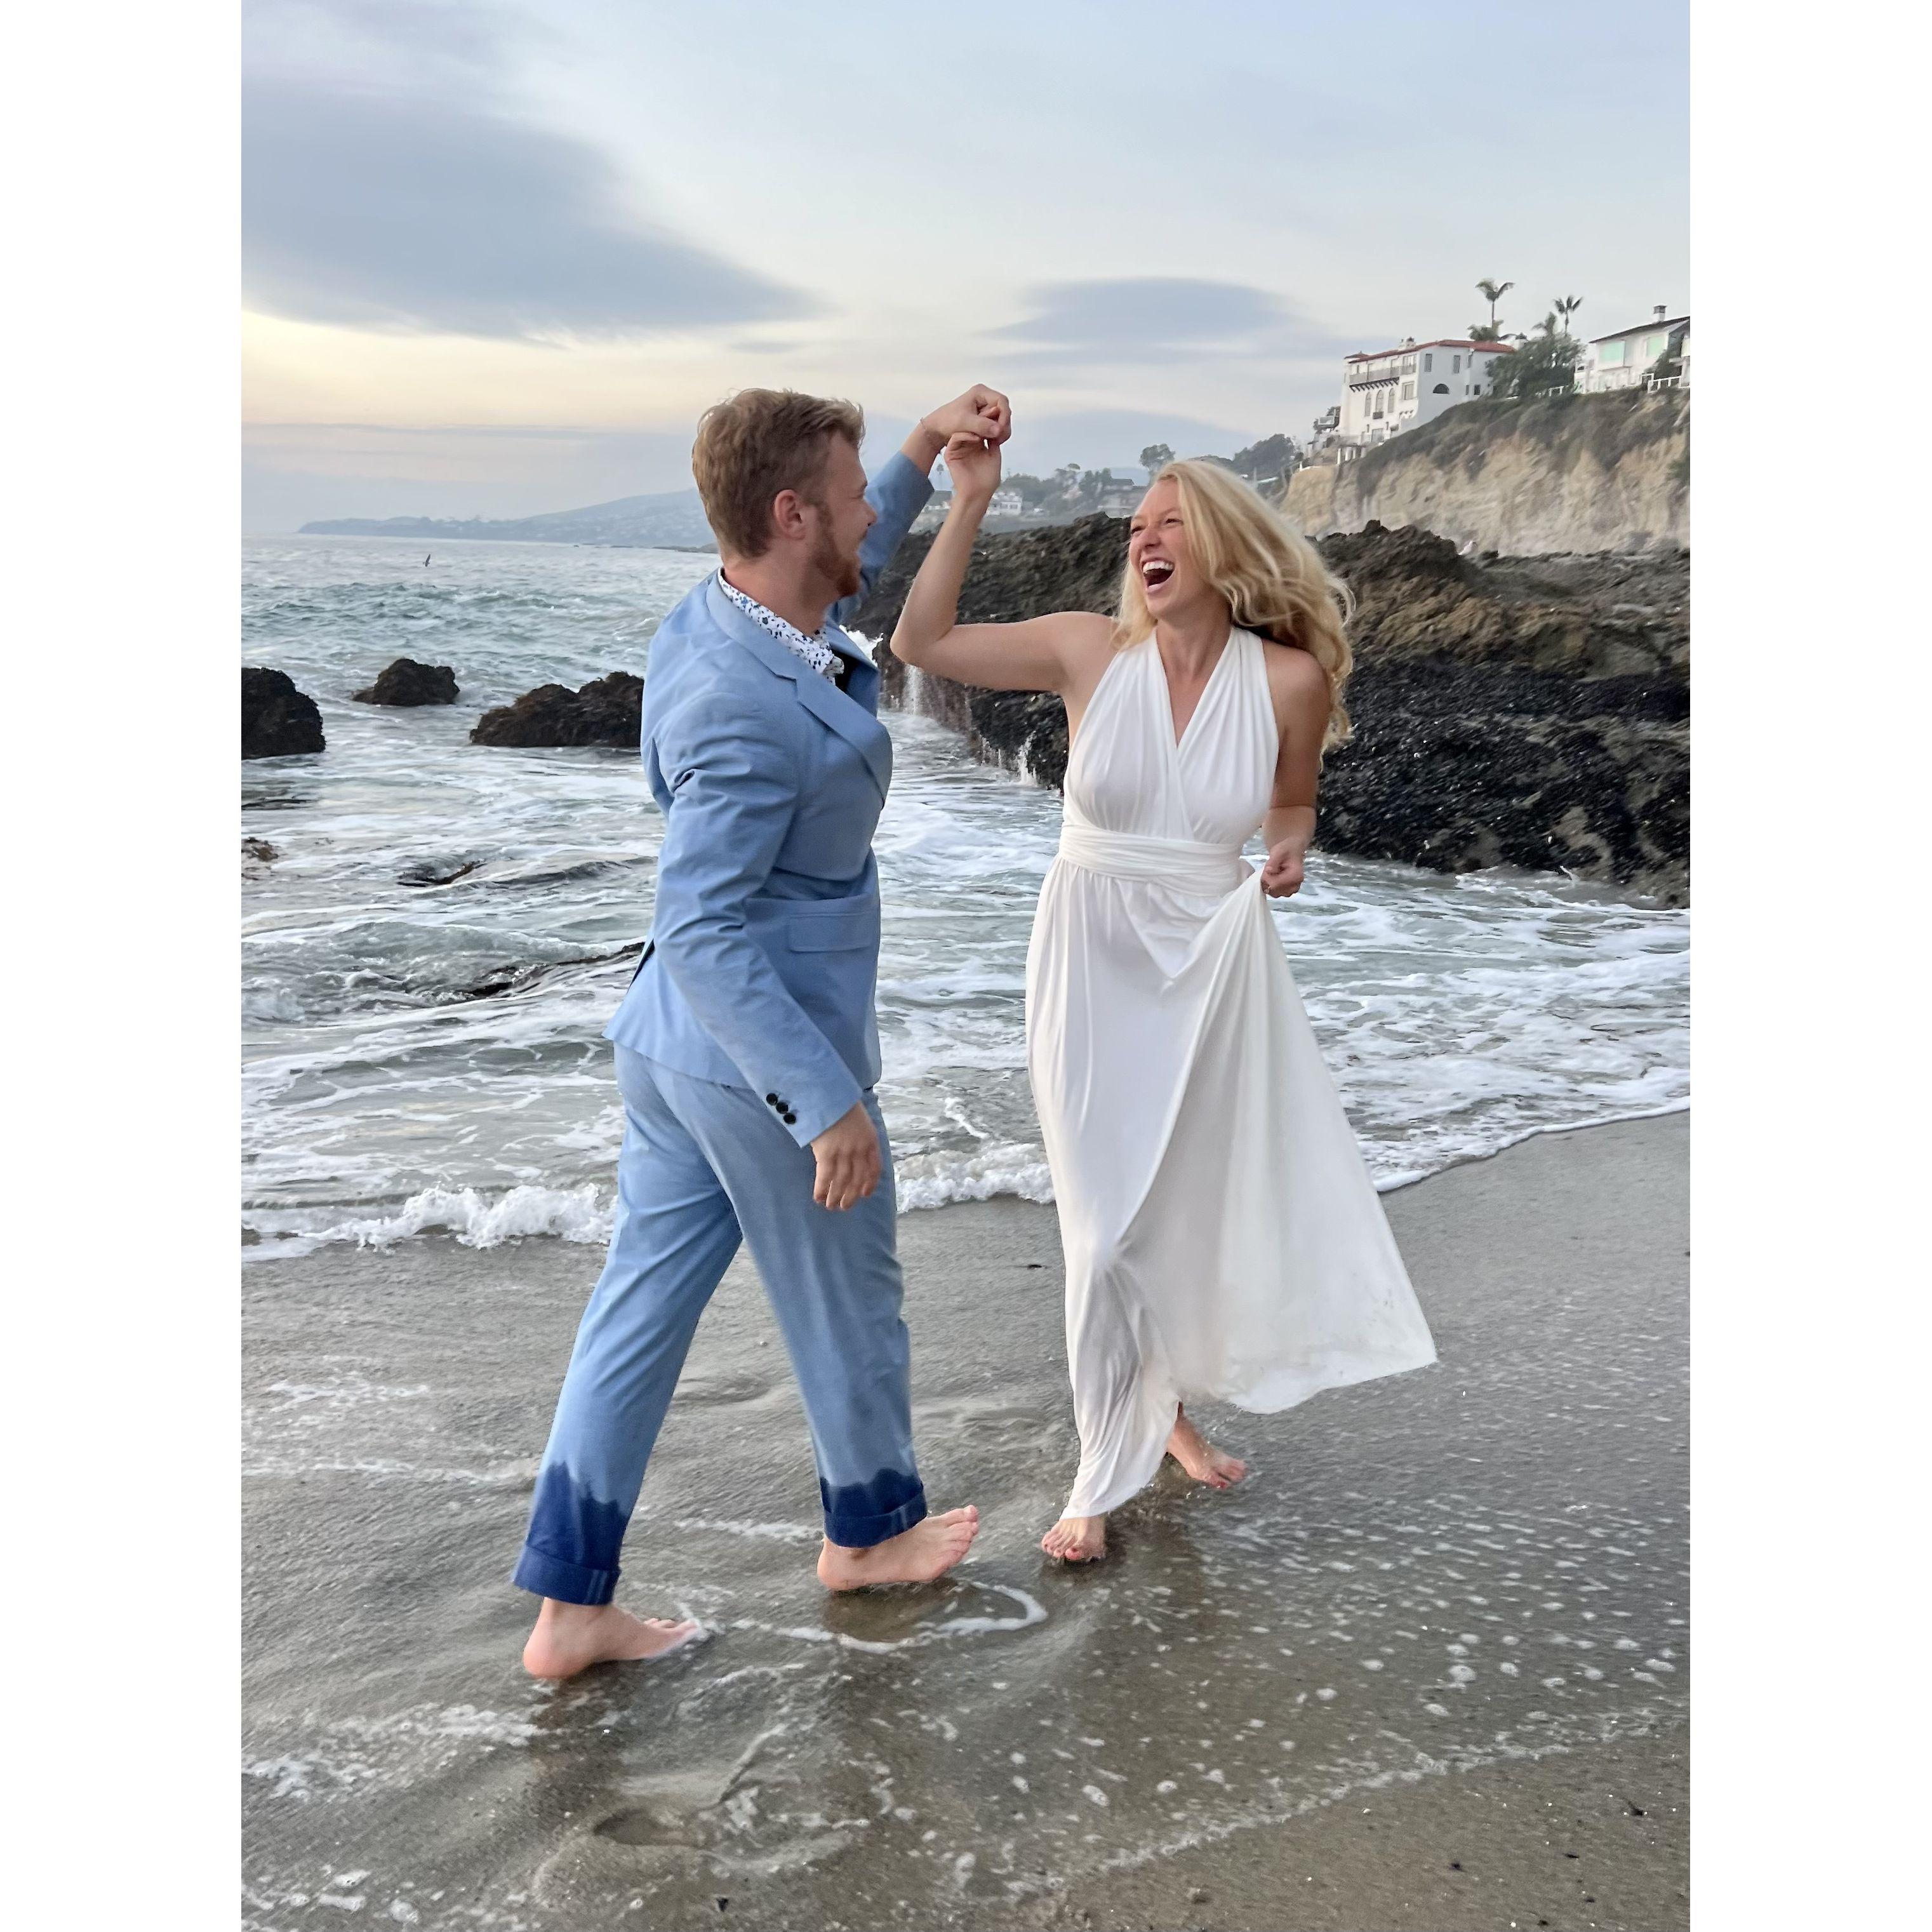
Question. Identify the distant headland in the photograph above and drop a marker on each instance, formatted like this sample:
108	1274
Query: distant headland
672	520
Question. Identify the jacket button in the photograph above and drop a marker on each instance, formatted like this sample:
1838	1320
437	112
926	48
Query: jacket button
791	1120
771	1099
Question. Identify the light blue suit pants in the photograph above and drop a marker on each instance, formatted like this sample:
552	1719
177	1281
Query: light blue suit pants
702	1167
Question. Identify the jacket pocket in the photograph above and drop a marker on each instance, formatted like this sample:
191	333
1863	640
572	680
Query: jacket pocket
835	929
848	931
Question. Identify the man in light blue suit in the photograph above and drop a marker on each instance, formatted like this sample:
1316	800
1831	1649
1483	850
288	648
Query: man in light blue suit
746	1047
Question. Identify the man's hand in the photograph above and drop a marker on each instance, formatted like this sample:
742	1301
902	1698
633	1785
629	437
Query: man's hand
848	1159
980	411
1281	877
973	464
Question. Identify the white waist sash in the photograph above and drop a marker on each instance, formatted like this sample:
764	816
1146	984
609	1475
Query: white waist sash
1184	864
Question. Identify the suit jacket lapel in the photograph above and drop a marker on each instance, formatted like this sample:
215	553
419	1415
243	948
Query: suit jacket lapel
862	680
850	715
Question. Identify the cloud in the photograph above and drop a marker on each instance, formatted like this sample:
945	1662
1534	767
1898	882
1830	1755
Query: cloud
413	43
432	210
1148	319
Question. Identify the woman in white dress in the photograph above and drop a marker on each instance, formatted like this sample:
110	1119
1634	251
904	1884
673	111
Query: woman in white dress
1222	1239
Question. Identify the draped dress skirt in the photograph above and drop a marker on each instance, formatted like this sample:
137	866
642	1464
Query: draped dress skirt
1222	1239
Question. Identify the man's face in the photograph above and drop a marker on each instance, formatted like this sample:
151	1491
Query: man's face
842	517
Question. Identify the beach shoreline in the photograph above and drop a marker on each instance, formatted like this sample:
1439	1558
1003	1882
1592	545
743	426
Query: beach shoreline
1427	1668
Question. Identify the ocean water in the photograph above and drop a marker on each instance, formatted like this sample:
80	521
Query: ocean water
431	952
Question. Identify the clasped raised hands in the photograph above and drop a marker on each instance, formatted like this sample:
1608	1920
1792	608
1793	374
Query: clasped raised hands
981	413
973	464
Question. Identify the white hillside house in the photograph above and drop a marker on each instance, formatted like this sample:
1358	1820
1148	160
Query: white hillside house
1625	360
1006	503
1387	391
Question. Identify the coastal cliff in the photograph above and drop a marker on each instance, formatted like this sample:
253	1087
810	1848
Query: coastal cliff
1572	472
1521	711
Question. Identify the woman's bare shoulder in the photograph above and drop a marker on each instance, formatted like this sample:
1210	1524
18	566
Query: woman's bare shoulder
1081	637
1292	672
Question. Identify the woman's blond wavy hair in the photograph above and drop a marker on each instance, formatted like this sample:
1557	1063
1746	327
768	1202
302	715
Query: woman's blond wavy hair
1272	578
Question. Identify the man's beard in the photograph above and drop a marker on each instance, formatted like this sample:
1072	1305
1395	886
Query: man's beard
840	573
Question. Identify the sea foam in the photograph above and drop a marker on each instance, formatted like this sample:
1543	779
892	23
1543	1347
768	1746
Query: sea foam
476	1219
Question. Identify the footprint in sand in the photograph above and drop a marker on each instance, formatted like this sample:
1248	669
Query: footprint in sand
720	1391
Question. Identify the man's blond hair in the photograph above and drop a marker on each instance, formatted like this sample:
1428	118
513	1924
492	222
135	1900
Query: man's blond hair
753	445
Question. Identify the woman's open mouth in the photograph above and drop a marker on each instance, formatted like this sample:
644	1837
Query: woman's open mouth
1155	572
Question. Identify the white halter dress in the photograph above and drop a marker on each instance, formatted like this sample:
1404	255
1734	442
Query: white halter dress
1222	1239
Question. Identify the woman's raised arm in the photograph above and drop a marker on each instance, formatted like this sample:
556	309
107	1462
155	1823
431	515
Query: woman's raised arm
1033	655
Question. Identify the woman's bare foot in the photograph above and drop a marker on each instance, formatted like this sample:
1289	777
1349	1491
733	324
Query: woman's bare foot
571	1637
928	1549
1077	1539
1200	1458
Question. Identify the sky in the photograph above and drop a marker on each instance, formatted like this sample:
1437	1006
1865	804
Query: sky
498	258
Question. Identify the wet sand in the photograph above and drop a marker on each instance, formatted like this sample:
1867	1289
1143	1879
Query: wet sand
1427	1668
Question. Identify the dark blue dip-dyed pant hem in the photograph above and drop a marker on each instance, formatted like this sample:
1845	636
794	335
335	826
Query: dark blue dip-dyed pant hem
702	1168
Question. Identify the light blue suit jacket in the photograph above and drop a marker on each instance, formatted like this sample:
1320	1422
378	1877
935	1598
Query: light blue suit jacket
764	953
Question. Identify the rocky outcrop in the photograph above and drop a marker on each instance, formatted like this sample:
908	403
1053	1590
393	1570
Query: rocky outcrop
1455	770
1572	473
406	681
1072	566
276	719
1522	711
606	711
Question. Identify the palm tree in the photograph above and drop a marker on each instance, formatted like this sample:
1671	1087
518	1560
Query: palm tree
1566	306
1484	331
1493	292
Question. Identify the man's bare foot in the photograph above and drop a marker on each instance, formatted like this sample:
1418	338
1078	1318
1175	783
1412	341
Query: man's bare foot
1200	1458
1077	1539
928	1549
571	1637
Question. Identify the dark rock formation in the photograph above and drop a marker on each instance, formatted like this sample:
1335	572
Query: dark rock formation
1072	566
1455	771
406	681
429	874
276	719
1522	711
1588	616
606	711
520	979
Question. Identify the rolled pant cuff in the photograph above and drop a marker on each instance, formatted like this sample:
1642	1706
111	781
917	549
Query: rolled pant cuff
861	1532
543	1575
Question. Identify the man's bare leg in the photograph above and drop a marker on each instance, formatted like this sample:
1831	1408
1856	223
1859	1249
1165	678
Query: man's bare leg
1200	1458
1077	1539
928	1549
571	1637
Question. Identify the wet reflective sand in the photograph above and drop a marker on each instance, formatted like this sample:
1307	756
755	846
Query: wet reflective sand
1427	1667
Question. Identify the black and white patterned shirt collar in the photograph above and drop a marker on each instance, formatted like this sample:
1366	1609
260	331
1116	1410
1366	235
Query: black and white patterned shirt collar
814	651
